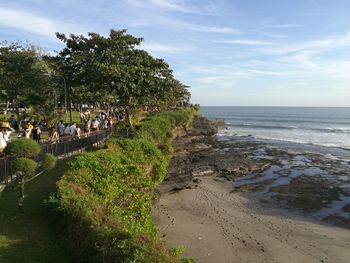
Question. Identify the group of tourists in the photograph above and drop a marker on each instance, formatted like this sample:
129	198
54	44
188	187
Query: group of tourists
64	131
103	120
28	127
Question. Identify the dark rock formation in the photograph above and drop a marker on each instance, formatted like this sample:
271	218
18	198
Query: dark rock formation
204	126
197	153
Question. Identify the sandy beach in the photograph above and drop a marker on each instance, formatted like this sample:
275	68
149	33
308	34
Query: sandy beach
218	226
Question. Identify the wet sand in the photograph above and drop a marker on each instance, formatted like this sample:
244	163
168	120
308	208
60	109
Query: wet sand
218	226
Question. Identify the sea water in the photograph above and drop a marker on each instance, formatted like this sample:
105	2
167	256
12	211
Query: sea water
320	129
302	132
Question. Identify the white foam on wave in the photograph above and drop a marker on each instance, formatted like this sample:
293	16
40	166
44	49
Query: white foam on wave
296	137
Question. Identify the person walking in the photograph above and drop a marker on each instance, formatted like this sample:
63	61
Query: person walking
36	133
27	130
60	128
73	129
87	127
13	122
53	136
95	125
5	133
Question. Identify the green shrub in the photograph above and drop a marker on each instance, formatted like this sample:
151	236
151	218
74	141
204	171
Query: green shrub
145	154
23	148
24	165
107	195
49	161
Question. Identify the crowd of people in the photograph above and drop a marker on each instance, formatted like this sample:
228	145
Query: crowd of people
28	127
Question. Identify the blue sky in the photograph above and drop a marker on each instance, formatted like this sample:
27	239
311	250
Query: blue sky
231	52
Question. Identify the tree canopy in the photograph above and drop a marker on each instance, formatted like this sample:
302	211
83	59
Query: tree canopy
115	69
108	70
23	76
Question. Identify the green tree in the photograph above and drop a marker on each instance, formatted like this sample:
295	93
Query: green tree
23	76
115	67
23	150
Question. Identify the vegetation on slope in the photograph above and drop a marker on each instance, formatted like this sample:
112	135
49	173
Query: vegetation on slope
106	195
33	235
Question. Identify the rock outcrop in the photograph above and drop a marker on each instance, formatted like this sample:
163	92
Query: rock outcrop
197	154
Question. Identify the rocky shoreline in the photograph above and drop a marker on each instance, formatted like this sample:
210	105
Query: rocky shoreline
222	201
273	175
197	153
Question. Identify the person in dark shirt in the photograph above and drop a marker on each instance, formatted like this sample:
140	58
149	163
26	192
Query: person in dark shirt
36	133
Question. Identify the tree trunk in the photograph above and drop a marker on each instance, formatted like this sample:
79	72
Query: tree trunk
21	193
17	111
129	120
129	117
70	112
55	98
7	107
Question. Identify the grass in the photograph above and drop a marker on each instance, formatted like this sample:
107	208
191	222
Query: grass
32	236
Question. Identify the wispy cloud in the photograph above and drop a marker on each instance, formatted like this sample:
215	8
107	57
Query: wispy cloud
37	24
156	48
163	21
314	46
246	42
211	29
278	26
174	5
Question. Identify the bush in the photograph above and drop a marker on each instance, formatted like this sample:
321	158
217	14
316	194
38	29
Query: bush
107	195
25	165
23	148
159	128
49	161
144	154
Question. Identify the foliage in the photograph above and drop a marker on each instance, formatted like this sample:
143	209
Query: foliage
158	128
24	79
119	72
38	228
107	195
49	161
23	148
24	165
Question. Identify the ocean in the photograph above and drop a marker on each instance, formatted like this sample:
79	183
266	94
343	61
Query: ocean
320	129
309	153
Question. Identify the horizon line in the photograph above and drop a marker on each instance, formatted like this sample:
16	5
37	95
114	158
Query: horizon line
274	106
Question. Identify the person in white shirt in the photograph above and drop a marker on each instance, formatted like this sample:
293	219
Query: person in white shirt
60	128
67	129
5	137
78	132
73	129
95	124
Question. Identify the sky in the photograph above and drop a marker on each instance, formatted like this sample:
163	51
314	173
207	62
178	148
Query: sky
230	52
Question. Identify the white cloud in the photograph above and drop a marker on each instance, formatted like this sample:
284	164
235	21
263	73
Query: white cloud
174	5
157	48
210	29
265	26
163	21
314	46
246	42
168	4
29	22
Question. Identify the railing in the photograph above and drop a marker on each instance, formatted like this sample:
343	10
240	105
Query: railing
58	149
